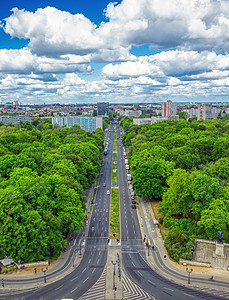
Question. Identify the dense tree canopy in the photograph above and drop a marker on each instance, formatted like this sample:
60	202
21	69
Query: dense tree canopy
43	175
194	191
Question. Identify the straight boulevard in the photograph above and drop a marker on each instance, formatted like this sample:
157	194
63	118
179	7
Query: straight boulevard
133	251
94	259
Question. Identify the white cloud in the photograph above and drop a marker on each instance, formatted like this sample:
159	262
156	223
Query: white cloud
23	61
168	63
192	24
65	43
202	24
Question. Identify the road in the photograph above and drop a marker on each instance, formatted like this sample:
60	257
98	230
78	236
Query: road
133	252
94	258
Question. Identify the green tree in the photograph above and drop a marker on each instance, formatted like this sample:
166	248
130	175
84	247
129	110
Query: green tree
150	178
213	218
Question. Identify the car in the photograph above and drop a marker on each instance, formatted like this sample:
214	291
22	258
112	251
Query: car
133	202
133	206
108	192
104	184
132	197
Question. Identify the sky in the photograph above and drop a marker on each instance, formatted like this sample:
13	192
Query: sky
130	51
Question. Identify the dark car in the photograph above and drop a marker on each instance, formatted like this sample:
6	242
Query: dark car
104	184
133	206
133	202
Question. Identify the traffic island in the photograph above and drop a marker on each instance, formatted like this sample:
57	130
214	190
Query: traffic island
114	289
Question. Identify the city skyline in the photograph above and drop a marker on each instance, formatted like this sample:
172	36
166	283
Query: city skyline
127	51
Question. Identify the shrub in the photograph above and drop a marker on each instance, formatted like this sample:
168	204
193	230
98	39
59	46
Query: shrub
179	246
4	271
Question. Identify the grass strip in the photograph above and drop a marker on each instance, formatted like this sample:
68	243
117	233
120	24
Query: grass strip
114	215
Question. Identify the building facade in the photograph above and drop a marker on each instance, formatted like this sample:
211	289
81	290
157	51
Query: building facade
132	113
168	108
103	108
14	119
204	111
86	123
141	121
168	118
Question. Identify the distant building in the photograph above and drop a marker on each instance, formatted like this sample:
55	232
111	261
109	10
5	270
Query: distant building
86	123
103	108
132	113
168	108
14	119
141	121
167	118
204	111
136	105
192	112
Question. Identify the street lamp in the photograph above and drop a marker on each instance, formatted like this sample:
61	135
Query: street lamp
189	272
80	246
44	270
74	256
114	263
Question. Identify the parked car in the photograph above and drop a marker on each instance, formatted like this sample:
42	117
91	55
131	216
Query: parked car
133	202
133	206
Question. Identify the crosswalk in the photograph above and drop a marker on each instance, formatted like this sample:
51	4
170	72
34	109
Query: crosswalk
131	291
97	291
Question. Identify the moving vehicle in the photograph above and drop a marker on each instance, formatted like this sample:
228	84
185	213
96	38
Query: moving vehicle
104	184
108	192
129	177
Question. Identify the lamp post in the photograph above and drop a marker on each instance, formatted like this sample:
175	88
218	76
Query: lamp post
44	270
74	256
114	263
189	272
80	246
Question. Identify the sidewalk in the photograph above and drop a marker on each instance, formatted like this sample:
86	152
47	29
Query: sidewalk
161	265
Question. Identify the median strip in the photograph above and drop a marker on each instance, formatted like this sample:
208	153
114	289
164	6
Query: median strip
114	231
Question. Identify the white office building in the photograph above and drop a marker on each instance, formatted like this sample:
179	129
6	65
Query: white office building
85	123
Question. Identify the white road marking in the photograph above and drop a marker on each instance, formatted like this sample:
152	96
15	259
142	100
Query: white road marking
189	295
59	287
73	278
85	280
168	289
151	282
74	290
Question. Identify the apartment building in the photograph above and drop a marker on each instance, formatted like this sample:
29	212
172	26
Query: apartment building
14	119
86	123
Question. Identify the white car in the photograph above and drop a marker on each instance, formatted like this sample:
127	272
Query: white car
108	192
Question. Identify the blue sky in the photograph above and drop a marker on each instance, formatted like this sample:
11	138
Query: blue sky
128	51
